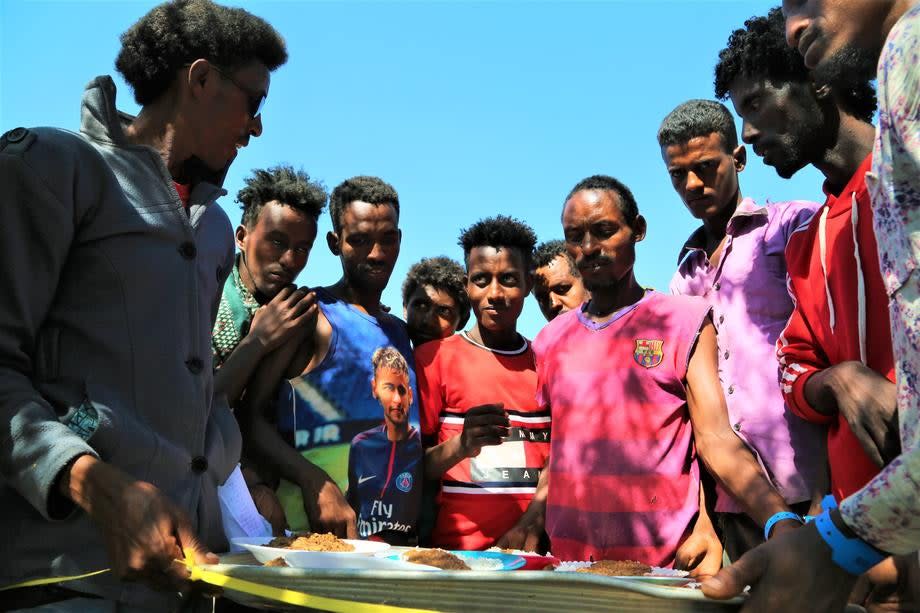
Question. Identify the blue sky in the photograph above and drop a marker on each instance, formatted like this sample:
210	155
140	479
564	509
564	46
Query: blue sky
468	108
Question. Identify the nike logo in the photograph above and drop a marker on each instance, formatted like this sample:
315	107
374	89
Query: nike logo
363	479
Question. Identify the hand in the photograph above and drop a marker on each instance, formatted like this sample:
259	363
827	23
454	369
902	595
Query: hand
288	311
525	535
269	507
144	532
484	425
328	511
792	572
701	554
868	401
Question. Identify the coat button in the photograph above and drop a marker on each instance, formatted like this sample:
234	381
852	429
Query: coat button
731	389
721	318
15	135
188	250
717	286
725	355
199	464
738	427
194	365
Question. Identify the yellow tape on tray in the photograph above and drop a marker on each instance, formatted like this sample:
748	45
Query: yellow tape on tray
268	592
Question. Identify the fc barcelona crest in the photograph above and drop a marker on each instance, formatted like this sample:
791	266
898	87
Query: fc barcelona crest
648	352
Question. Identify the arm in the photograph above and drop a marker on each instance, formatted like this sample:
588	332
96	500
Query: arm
272	325
701	553
527	533
725	456
324	503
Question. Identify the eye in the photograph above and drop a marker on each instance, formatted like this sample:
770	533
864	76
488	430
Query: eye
573	237
509	280
445	313
302	250
561	290
479	280
277	243
677	174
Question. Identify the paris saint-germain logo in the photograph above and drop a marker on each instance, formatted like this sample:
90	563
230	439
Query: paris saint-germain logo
404	482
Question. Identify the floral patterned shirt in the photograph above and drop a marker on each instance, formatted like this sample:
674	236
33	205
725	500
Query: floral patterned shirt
885	512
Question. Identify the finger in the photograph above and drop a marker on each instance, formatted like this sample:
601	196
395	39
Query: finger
295	296
487	419
497	408
731	581
303	304
285	292
532	542
189	543
351	530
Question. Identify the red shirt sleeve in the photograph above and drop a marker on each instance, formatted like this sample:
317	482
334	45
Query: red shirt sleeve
800	357
430	395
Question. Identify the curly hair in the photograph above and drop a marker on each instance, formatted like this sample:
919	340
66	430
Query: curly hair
547	251
627	201
391	358
372	190
759	51
284	184
176	33
441	273
695	118
499	231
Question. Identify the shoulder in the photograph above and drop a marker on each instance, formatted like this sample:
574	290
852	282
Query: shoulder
426	352
669	304
364	437
553	331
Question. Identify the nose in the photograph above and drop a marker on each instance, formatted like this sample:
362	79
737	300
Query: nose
255	126
555	304
397	397
288	259
694	183
496	292
749	133
796	23
376	254
588	245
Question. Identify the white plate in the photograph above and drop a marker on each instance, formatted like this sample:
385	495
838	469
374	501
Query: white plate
359	558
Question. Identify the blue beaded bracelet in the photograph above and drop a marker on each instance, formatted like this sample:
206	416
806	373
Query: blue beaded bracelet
777	517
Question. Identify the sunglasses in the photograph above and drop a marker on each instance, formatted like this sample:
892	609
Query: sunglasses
256	100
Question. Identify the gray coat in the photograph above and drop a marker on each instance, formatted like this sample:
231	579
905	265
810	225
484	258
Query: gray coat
108	291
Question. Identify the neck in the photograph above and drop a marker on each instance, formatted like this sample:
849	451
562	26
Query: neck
606	300
503	340
716	226
245	275
366	300
157	126
397	433
854	142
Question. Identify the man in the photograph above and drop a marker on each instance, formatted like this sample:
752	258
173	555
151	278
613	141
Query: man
259	308
113	443
557	285
385	463
435	304
841	42
304	429
486	438
632	380
735	261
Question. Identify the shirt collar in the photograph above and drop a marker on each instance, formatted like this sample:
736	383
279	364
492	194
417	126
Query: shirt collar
746	211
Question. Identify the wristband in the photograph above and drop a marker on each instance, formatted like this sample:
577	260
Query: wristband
853	555
778	517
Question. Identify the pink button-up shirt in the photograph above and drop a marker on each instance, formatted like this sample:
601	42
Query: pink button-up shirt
747	291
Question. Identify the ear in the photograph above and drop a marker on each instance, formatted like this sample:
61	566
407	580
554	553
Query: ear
409	394
405	312
529	280
374	387
332	240
200	78
639	228
241	234
740	157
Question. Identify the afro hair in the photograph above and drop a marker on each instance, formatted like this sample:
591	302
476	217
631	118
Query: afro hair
174	34
441	273
500	231
372	190
285	185
759	51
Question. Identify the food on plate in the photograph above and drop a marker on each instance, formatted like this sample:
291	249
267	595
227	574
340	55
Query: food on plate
277	562
617	568
311	542
437	558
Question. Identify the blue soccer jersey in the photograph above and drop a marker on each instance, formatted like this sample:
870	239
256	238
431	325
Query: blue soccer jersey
385	484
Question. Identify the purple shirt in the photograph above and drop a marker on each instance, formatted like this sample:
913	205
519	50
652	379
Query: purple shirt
747	291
